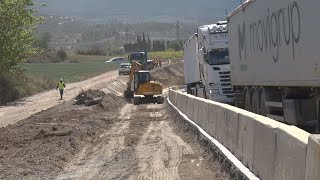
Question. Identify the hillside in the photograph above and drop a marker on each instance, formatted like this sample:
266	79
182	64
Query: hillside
140	10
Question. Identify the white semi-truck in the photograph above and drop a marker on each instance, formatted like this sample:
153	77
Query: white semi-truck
275	59
206	63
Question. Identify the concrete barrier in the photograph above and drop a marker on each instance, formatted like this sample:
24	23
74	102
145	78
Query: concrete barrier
313	158
245	139
197	110
184	100
173	96
212	119
204	107
179	100
176	97
231	126
291	153
190	105
264	147
270	149
220	124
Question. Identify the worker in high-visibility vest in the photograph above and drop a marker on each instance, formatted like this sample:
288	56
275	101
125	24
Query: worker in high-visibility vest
61	87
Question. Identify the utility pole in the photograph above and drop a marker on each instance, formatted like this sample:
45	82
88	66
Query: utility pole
127	33
178	28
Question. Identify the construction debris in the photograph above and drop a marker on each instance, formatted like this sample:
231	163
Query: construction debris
90	97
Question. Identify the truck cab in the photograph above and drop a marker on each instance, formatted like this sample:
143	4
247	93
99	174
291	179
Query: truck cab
215	63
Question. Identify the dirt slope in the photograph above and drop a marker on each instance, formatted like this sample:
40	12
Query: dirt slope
169	75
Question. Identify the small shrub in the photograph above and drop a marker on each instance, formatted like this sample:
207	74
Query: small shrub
20	85
62	55
74	61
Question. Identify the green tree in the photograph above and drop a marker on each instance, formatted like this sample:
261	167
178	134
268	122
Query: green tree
44	40
17	29
149	43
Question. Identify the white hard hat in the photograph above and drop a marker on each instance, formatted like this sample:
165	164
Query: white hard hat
61	79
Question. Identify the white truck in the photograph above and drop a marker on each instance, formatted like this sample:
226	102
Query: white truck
206	63
275	60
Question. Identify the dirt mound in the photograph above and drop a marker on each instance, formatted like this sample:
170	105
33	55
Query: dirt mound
169	75
97	97
90	97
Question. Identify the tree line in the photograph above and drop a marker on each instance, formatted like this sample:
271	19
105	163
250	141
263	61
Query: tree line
17	29
143	43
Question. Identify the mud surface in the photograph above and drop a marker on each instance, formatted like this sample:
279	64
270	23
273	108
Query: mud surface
112	139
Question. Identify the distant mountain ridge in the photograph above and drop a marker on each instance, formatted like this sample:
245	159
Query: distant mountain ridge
193	9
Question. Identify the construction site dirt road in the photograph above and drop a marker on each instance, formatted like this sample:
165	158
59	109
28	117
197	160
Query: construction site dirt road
113	139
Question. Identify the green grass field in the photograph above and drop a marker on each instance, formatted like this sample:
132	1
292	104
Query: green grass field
87	58
70	72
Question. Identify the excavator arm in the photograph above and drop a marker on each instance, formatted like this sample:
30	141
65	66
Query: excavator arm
135	66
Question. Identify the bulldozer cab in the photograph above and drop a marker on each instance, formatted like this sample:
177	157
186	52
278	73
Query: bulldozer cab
140	77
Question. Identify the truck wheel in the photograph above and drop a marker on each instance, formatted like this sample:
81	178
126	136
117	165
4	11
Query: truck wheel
205	93
160	100
247	104
130	94
125	94
189	90
255	101
136	100
264	110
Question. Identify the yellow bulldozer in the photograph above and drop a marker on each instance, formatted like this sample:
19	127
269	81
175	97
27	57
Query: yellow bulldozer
140	87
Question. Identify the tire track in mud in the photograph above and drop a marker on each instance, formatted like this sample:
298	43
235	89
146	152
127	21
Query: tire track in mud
96	161
160	151
116	87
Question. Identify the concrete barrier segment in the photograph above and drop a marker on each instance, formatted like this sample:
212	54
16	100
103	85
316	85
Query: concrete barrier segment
220	124
245	140
291	153
313	158
264	146
204	106
197	110
184	103
190	106
212	119
231	130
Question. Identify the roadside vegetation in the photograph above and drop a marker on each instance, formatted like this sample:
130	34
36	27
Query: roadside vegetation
172	55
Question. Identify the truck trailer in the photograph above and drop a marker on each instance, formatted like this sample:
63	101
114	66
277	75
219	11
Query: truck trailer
206	63
274	59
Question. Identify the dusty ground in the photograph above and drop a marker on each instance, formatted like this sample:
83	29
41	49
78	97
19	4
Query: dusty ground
111	140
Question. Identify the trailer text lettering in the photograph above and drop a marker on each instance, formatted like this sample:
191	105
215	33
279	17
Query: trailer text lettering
279	28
